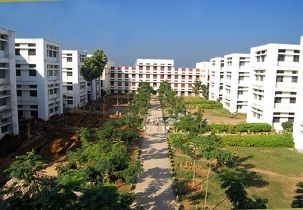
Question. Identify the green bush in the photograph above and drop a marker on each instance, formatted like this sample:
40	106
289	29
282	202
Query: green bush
269	140
220	128
197	102
253	127
242	127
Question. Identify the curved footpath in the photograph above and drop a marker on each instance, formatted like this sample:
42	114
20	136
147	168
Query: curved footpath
154	186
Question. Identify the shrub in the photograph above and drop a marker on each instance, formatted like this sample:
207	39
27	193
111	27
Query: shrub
197	102
242	127
287	126
220	128
270	140
253	127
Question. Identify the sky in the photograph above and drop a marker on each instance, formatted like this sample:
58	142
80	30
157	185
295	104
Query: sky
188	31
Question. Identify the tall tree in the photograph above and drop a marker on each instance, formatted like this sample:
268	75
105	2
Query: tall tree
94	66
205	91
197	88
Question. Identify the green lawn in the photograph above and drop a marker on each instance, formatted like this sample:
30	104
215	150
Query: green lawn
279	170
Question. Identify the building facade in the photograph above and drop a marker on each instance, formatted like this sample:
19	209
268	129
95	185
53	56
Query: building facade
8	97
39	78
274	84
125	79
74	86
236	82
298	123
204	71
216	79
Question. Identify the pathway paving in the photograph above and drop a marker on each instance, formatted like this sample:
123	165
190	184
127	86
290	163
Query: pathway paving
154	186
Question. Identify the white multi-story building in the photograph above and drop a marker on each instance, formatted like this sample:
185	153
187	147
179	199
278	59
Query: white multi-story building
125	79
8	97
216	79
236	82
204	71
39	78
274	84
74	86
298	123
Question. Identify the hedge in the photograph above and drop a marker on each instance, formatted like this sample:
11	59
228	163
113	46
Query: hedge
270	140
242	127
203	104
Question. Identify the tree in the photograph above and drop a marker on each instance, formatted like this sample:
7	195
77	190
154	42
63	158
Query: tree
298	199
94	66
205	91
197	88
30	188
287	126
193	124
200	88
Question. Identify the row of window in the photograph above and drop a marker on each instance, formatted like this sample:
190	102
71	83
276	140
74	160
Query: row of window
134	84
155	76
169	68
32	93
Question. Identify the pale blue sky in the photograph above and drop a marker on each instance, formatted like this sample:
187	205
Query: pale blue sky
188	31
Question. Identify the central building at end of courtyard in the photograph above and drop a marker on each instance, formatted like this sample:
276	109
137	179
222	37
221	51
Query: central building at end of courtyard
124	79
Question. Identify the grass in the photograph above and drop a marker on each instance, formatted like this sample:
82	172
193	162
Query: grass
279	170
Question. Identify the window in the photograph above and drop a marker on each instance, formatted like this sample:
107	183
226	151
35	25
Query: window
2	45
19	92
278	99
69	59
32	52
2	101
69	73
70	102
2	74
281	57
69	87
276	119
296	58
4	129
294	79
33	86
34	106
18	72
279	79
33	93
291	119
292	100
20	113
17	51
32	72
34	113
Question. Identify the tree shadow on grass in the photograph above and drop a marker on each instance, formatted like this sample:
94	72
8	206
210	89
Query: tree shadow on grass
250	178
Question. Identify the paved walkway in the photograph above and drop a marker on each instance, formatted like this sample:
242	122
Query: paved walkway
154	186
